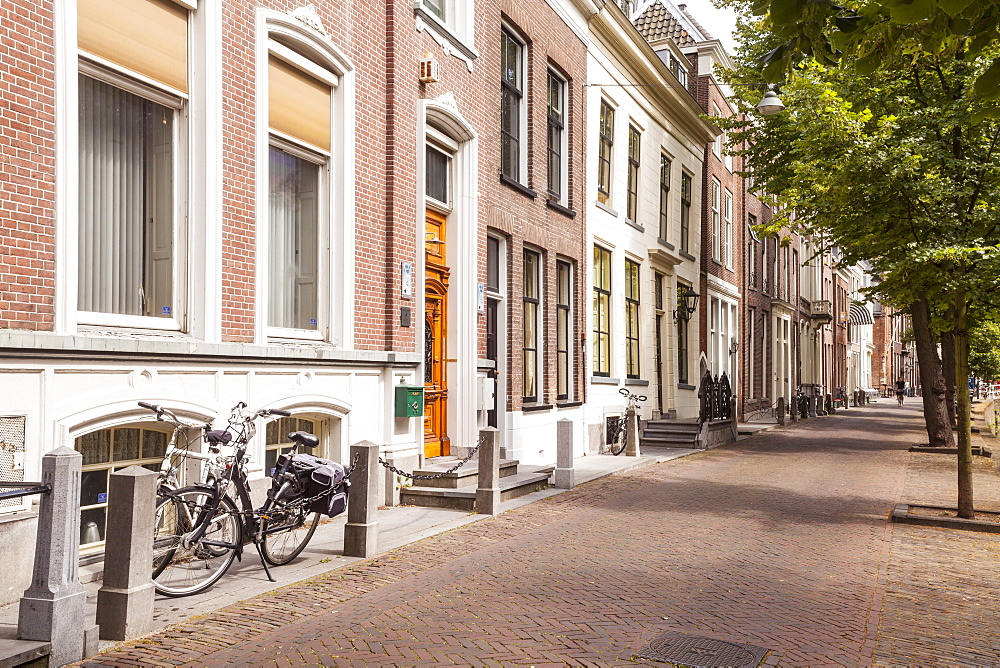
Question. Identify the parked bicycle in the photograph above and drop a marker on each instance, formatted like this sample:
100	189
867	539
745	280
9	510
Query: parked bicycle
620	438
199	530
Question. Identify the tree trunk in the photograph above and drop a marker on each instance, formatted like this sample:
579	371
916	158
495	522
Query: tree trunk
963	410
948	366
936	415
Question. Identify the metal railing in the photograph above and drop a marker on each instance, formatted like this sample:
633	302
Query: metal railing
21	489
716	397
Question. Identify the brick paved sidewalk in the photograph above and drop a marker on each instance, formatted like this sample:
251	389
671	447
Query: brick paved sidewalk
781	541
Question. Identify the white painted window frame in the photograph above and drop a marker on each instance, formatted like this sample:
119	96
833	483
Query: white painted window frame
335	321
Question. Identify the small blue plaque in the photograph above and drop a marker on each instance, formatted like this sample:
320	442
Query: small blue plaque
102	497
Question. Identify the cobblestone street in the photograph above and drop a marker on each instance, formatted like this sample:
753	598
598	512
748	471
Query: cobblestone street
780	541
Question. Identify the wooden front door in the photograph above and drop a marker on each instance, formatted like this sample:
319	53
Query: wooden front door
436	441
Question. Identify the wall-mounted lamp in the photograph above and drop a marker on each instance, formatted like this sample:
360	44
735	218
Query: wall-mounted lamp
431	238
771	104
689	302
734	346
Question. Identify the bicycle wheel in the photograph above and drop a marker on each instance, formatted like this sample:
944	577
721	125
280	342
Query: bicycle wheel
617	445
179	570
286	533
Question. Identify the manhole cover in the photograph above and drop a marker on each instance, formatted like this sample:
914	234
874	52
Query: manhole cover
700	652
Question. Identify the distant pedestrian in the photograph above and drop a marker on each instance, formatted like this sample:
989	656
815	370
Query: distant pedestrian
900	390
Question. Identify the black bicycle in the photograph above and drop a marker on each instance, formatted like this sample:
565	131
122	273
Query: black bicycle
199	530
620	438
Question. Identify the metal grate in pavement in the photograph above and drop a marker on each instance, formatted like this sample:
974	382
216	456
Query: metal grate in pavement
701	652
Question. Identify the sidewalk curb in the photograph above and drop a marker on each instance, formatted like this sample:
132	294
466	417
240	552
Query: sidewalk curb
901	515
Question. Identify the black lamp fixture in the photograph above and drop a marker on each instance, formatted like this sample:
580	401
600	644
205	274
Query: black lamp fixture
690	303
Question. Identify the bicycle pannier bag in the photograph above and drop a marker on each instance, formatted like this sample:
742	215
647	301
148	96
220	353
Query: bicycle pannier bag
328	483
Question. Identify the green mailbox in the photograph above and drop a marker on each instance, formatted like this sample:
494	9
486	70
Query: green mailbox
409	400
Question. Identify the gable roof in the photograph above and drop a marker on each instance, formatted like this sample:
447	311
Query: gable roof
656	23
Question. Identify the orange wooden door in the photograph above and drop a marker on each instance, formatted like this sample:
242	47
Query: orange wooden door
436	441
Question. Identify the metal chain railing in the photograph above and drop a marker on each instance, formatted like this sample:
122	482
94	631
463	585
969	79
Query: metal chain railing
416	476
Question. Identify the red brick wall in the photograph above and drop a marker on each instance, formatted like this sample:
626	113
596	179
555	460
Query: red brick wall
522	220
27	165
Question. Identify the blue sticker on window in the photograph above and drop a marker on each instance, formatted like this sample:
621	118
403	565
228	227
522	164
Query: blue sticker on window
312	321
102	497
166	310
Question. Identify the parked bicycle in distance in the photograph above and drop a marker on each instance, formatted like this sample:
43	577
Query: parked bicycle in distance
620	438
199	530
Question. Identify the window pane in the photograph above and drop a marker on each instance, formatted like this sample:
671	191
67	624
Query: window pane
531	275
437	175
95	447
493	264
436	7
126	203
154	444
294	243
126	444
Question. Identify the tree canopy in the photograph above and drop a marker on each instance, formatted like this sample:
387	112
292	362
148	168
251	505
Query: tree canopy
875	34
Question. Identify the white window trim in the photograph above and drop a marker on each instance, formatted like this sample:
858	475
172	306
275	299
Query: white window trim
204	157
570	335
564	144
715	211
539	325
444	144
145	88
522	135
335	321
727	223
455	35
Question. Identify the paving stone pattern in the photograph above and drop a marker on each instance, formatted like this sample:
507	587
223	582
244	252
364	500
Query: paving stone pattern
780	541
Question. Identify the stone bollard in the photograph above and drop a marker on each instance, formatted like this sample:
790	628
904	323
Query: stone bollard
565	476
779	412
52	608
631	433
125	601
361	530
488	491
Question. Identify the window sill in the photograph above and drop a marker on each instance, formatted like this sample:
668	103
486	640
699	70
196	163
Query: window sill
446	38
685	386
632	223
606	208
687	256
664	242
531	408
283	335
559	208
518	186
637	381
604	380
568	404
127	321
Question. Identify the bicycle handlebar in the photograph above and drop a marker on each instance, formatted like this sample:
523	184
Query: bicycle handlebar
625	393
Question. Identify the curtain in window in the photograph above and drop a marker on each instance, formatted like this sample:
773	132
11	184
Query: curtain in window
293	246
126	203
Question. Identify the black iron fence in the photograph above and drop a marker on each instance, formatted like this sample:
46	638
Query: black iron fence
716	397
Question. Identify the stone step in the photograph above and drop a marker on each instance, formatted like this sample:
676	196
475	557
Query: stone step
465	476
464	498
668	441
660	429
14	652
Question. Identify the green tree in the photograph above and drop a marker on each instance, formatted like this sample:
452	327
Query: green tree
898	165
984	351
876	34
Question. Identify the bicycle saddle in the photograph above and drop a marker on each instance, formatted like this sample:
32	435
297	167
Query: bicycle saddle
304	438
218	436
